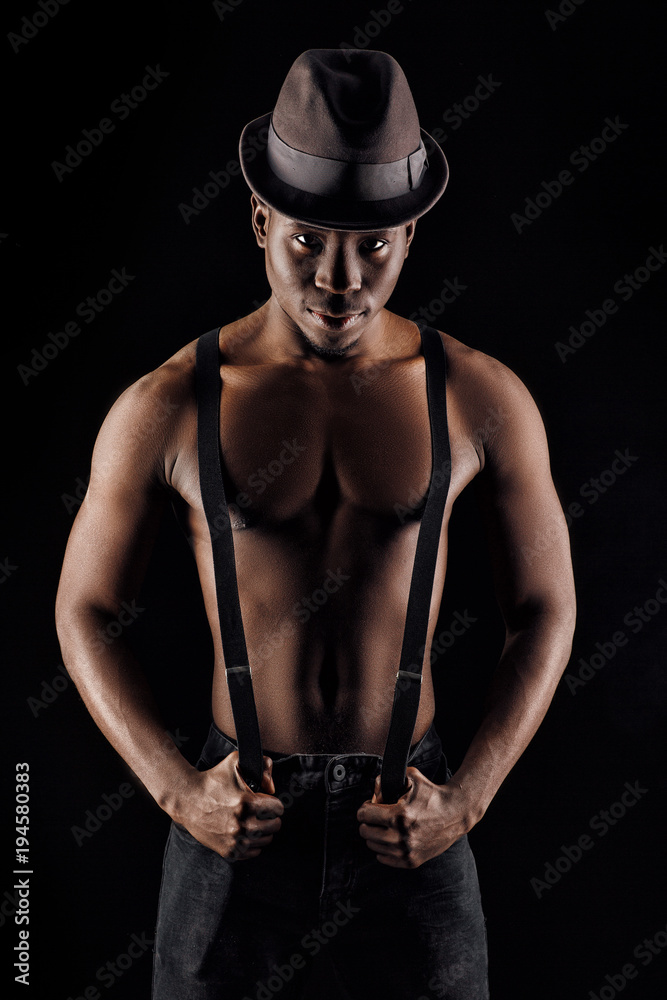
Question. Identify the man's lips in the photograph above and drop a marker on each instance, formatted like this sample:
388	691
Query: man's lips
329	322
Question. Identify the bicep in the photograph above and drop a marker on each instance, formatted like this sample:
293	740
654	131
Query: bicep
115	529
526	527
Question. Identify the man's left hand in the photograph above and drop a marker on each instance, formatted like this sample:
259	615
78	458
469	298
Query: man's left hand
423	823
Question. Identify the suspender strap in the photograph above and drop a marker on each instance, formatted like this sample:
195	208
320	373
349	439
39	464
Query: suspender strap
211	483
409	677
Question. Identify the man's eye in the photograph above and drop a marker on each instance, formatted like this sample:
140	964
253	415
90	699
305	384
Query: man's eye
373	244
307	240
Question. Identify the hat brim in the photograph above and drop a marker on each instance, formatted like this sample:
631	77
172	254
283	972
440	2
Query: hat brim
333	213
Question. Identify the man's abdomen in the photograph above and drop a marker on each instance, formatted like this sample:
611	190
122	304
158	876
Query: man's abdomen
323	610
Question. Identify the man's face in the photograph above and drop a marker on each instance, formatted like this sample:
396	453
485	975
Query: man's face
329	283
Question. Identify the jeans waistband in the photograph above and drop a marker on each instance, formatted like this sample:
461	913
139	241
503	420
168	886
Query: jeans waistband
219	744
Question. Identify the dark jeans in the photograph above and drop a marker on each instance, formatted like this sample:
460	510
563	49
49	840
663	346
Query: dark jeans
315	914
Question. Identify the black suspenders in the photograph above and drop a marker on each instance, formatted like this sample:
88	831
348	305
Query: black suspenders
226	588
408	679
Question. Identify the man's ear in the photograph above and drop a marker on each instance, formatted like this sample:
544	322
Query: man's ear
260	220
409	235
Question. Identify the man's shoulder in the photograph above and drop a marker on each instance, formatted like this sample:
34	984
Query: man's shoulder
159	400
489	396
173	377
473	371
151	420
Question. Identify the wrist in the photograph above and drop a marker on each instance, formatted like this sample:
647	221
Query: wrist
473	801
175	794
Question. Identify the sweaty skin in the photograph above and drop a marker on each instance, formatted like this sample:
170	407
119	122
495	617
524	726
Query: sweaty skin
325	434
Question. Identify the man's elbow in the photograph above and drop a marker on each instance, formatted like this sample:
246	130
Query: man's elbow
70	627
564	612
78	626
564	620
550	618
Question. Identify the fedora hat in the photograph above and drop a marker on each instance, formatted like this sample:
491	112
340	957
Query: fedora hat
342	148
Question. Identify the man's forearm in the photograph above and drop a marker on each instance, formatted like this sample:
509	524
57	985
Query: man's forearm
520	692
118	697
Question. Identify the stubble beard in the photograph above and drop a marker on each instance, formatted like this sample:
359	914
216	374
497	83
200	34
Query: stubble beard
327	352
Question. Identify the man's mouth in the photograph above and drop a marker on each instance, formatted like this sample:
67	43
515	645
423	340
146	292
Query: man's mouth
329	322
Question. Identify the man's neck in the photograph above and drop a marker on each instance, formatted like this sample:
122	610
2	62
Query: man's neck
275	337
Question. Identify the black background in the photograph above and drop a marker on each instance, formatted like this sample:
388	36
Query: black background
119	208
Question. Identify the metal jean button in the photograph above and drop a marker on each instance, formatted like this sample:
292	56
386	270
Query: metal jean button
339	772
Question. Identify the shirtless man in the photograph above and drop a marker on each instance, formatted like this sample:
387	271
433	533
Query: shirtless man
314	846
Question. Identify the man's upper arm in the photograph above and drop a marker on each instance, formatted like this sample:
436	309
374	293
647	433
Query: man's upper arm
115	528
528	536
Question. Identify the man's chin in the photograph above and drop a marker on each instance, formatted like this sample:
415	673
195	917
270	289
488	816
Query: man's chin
330	346
332	343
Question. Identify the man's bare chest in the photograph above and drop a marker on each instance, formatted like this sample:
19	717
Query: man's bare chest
294	441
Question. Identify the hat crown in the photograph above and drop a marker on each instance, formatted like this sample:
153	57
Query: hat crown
353	105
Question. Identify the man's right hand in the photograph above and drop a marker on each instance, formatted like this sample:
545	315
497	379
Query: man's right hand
223	813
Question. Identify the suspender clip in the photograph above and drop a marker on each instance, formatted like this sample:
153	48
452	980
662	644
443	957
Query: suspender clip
410	675
242	673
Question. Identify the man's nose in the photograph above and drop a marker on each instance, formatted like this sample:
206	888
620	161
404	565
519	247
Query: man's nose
338	271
